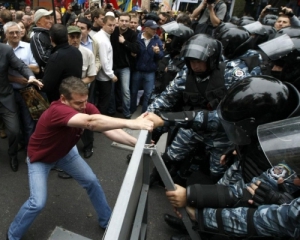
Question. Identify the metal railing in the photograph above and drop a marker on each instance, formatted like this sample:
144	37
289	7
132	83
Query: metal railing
129	217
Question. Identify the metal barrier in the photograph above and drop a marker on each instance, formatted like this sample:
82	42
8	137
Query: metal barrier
129	217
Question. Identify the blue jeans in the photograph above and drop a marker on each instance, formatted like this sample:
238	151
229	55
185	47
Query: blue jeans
38	173
123	75
145	79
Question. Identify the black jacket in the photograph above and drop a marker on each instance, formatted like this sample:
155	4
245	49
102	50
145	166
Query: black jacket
122	51
10	60
41	47
65	61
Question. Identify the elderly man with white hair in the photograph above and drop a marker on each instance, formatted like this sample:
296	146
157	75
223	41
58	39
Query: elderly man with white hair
22	51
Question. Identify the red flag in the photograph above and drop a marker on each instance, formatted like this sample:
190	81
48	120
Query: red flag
67	2
114	3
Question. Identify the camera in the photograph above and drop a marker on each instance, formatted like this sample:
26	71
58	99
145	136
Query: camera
272	10
210	1
154	6
75	6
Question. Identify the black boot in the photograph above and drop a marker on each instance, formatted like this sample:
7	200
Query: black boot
14	163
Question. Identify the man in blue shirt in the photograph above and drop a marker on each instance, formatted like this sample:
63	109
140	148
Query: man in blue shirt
151	50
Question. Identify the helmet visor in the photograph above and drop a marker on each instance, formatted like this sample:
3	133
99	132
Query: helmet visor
296	42
255	28
280	142
171	28
193	50
237	132
277	47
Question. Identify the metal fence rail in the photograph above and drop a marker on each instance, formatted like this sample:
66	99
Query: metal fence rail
132	190
129	217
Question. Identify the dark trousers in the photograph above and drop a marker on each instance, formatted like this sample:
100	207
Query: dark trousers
92	92
104	91
11	122
87	138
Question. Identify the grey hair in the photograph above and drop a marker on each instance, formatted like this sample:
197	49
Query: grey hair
10	24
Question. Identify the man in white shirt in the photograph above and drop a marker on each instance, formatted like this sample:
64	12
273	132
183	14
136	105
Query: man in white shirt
106	75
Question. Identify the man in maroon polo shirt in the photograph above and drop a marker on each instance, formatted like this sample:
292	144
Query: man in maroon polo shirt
53	143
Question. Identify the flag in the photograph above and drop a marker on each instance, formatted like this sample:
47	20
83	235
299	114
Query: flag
114	3
81	1
128	6
120	2
67	2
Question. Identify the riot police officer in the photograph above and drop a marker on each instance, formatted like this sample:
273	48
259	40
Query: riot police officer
250	103
172	62
201	85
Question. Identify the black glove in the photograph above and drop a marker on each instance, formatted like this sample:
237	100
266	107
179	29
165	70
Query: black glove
173	68
264	194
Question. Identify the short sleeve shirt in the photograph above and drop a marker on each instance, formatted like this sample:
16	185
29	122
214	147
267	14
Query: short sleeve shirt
52	138
220	13
88	66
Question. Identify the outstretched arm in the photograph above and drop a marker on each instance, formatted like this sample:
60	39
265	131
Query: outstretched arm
120	136
197	120
98	122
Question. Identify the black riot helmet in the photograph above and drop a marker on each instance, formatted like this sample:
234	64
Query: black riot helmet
203	47
245	21
179	34
254	101
270	19
291	68
178	30
247	18
286	57
234	20
258	32
235	41
292	32
271	31
278	48
223	27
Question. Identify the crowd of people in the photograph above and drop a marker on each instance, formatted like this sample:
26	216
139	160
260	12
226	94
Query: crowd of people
216	84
